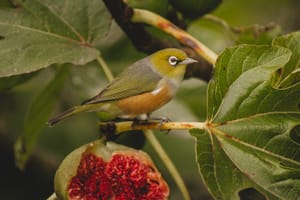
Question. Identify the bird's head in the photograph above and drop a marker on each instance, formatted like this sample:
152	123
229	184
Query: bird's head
171	63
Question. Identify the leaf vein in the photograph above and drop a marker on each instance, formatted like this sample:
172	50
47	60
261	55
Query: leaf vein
25	28
64	21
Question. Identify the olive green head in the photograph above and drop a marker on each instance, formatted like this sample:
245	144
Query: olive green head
170	63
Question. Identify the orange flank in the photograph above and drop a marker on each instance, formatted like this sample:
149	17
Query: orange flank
146	102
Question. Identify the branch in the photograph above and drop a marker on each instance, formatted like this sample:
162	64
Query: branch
120	127
145	42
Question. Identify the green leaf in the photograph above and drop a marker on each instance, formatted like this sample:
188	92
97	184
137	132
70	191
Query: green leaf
240	71
38	115
252	135
291	72
223	178
226	152
257	34
265	153
42	32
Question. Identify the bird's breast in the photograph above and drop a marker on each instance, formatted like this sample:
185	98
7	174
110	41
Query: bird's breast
146	102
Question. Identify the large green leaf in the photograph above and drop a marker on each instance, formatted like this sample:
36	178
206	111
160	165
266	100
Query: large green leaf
39	33
252	135
240	71
38	115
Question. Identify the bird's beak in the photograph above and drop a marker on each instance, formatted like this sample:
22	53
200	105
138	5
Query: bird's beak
187	61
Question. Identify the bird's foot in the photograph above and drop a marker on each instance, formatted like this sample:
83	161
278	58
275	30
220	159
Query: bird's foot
159	120
137	122
163	120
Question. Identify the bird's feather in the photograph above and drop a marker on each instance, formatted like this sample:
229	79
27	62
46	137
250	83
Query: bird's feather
137	79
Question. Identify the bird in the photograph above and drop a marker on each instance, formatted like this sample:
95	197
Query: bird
140	89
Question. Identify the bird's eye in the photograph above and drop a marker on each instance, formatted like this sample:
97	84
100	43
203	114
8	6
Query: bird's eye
173	60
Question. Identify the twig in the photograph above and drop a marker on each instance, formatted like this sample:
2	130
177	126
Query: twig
148	17
119	127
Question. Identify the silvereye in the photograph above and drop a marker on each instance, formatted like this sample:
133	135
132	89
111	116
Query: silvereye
142	88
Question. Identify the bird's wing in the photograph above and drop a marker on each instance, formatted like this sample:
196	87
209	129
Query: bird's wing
136	79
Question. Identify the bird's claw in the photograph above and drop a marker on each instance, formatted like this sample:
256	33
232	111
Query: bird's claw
137	122
163	120
160	122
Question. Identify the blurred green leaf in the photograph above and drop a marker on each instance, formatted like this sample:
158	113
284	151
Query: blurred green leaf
160	7
9	82
213	32
194	99
5	3
195	8
252	136
40	33
38	115
257	34
218	33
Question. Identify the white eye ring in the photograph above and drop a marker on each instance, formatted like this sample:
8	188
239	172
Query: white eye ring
173	60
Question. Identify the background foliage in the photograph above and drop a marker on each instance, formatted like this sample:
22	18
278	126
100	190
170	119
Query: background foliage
28	100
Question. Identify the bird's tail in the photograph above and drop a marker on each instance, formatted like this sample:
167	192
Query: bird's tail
68	113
